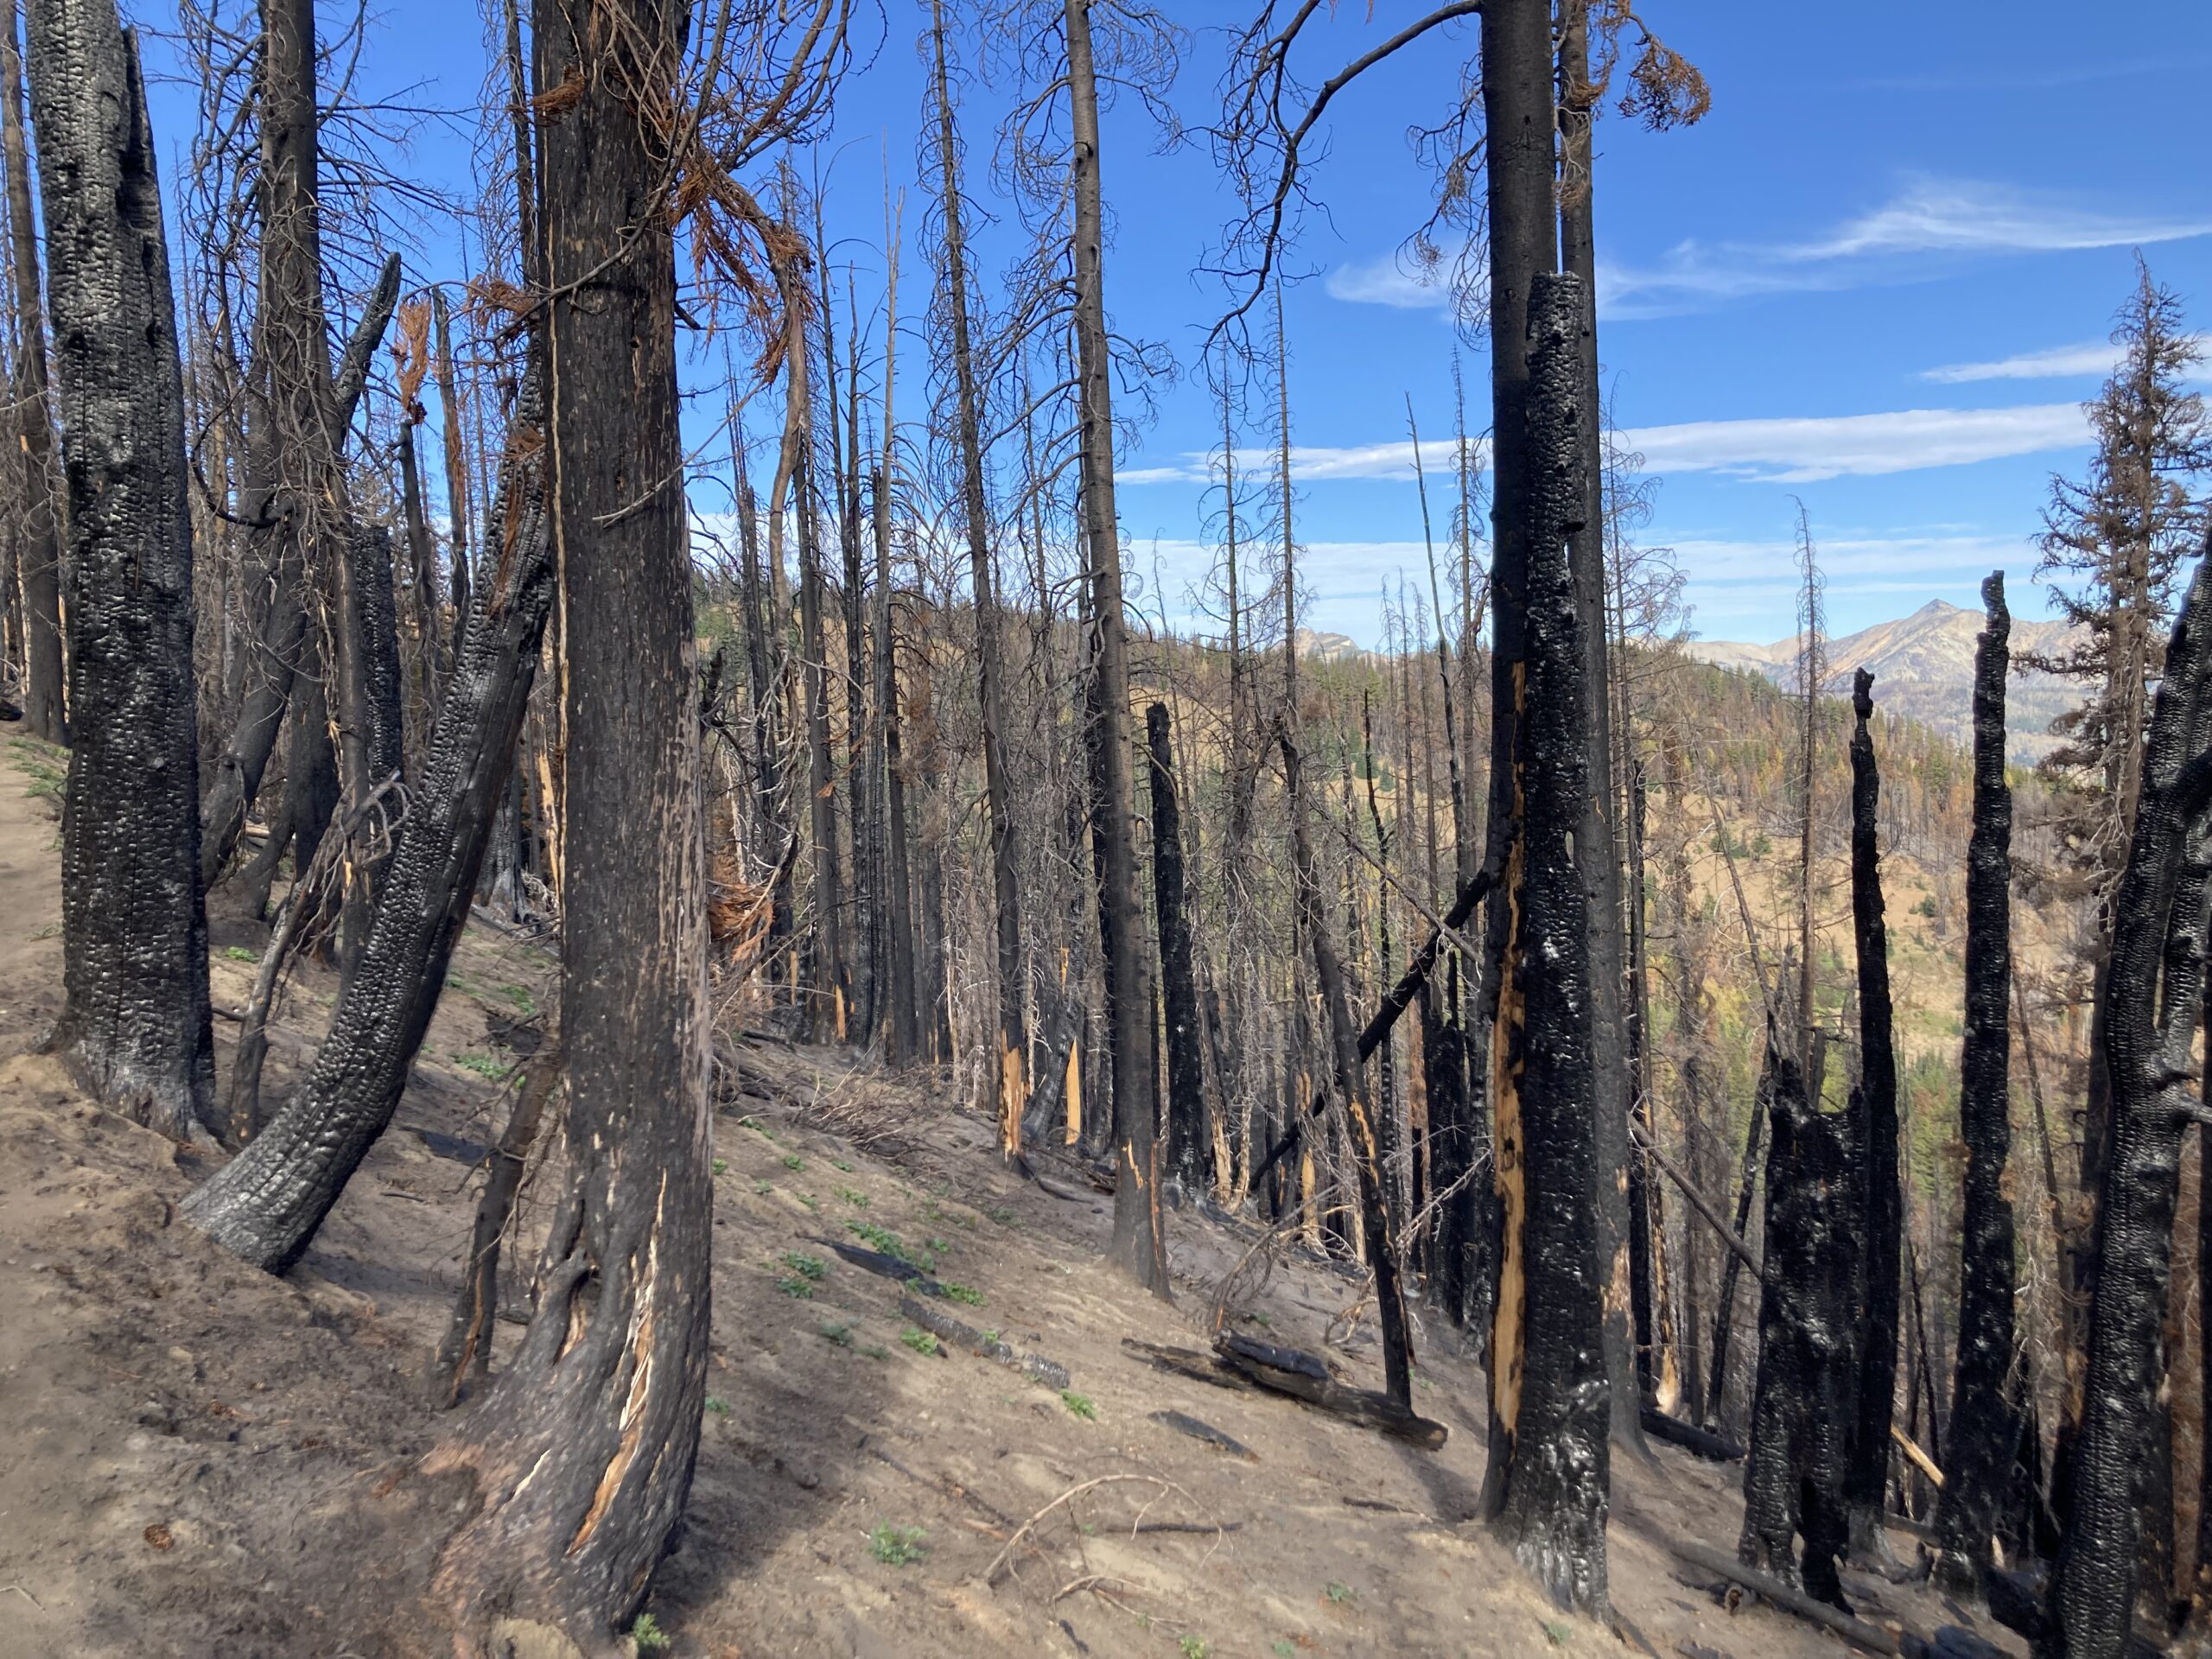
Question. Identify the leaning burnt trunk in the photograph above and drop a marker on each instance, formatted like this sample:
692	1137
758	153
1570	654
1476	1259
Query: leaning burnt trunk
583	1449
134	1025
1800	1400
2151	991
1723	1308
1550	1457
1985	1430
1879	1205
267	1202
1190	1146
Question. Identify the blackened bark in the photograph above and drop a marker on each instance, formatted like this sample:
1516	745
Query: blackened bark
135	1023
583	1449
2153	990
829	991
1190	1143
458	529
422	561
1454	1157
377	638
1801	1399
1880	1206
1139	1248
266	1204
38	535
1549	1458
903	1026
1012	1061
1985	1430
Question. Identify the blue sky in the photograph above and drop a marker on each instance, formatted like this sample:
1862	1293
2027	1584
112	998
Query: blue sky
1878	276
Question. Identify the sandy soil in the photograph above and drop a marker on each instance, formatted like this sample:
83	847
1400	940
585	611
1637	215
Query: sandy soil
197	1459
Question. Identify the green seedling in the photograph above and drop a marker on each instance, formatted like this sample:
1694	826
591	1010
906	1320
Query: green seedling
839	1163
807	1267
1193	1647
852	1196
647	1637
839	1332
483	1065
896	1546
762	1189
1338	1594
240	953
793	1161
718	1405
798	1289
920	1341
1079	1404
721	1166
964	1293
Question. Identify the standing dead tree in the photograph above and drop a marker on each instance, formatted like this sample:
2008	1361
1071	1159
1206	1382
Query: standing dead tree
135	1020
2152	994
1985	1424
38	538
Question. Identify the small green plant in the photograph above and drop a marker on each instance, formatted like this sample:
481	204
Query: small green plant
1080	1404
1004	1216
807	1267
920	1341
810	1201
1283	1648
966	1293
1557	1634
798	1289
876	1351
1193	1647
483	1066
758	1127
853	1197
937	1247
880	1239
839	1163
647	1637
240	953
762	1189
837	1331
793	1161
717	1406
520	996
721	1166
1338	1594
896	1546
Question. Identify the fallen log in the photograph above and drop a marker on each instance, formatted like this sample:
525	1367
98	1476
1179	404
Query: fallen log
1697	1441
1197	1429
942	1325
1241	1363
1873	1638
884	1266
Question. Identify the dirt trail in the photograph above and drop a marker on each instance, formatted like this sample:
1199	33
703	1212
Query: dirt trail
200	1460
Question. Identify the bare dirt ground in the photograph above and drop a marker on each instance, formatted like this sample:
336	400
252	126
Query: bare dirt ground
197	1459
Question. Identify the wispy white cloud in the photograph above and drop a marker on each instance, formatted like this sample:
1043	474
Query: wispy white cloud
2091	357
1784	450
1927	224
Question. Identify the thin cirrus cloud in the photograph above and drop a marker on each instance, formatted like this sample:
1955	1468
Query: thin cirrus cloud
2095	357
1780	450
1929	224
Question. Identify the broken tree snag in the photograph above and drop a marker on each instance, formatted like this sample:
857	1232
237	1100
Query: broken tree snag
1306	1377
1188	1139
2156	972
135	1026
266	1203
464	1357
1546	1489
1880	1206
1984	1431
582	1450
1689	1437
1801	1399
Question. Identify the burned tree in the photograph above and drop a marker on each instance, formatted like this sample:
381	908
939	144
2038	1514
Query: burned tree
1801	1401
135	1021
2152	995
1189	1147
1985	1429
1874	1103
1546	1488
582	1451
38	542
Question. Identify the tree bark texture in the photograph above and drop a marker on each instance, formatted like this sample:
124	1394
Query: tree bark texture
1138	1247
1800	1400
38	537
1985	1430
268	1202
1190	1143
1723	1312
135	1021
1880	1206
1546	1490
2156	978
584	1450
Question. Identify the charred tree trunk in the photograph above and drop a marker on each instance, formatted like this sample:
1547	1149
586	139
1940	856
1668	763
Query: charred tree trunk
1723	1308
1139	1248
905	1026
584	1450
134	1025
1880	1205
1985	1430
827	985
1801	1401
1190	1143
267	1203
38	535
1546	1489
1013	1058
2153	990
459	527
